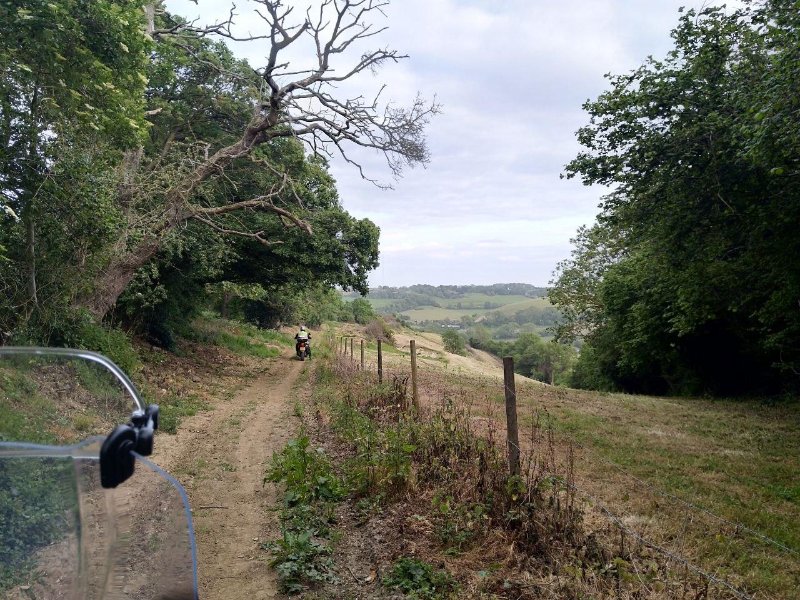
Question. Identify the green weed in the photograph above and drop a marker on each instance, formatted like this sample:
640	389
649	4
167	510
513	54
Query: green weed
302	555
419	580
175	408
381	462
299	558
307	473
458	523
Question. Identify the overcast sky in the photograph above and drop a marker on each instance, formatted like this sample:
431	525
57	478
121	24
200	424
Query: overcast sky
511	76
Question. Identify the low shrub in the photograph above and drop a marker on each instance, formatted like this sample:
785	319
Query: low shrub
299	558
454	342
378	329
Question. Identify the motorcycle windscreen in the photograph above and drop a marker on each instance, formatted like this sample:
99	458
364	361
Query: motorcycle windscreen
63	536
56	396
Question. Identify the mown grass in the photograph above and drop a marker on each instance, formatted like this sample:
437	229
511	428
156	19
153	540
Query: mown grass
644	457
386	347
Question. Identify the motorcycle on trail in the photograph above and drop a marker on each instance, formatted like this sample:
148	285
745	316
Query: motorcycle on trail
93	518
303	349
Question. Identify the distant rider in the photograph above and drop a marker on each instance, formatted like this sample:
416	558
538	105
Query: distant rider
305	336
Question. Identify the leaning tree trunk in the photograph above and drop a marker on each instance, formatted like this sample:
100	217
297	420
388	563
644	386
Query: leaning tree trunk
108	287
120	271
283	112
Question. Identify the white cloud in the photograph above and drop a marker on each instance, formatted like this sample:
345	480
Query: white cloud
511	75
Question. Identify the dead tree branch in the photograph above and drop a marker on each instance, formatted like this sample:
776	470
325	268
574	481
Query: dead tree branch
294	101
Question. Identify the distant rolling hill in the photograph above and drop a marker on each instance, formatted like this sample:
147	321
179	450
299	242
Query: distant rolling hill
505	309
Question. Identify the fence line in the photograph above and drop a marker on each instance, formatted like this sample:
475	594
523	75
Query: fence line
664	493
508	386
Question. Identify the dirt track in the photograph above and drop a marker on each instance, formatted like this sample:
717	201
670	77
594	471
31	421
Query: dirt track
220	457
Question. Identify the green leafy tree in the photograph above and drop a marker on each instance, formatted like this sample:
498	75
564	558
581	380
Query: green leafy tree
454	342
363	312
689	280
268	284
72	79
479	336
189	174
164	167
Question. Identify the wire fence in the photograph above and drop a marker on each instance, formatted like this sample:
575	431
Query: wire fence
396	367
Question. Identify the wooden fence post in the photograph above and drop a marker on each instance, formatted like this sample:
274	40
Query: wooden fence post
362	355
380	363
351	348
511	415
414	395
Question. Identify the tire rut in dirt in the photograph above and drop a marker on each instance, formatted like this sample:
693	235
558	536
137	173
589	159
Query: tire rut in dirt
221	458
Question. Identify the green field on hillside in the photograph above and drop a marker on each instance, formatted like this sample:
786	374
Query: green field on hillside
379	304
453	313
480	301
505	310
511	309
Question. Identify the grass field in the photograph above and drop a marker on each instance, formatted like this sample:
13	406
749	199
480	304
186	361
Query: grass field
704	479
380	303
433	313
712	481
477	301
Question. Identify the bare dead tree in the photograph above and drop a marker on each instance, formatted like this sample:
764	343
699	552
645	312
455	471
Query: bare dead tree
302	103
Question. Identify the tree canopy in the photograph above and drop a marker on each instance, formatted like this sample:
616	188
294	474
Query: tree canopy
145	166
690	279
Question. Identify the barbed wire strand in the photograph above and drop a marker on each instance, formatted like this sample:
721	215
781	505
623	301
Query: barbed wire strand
653	546
614	518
